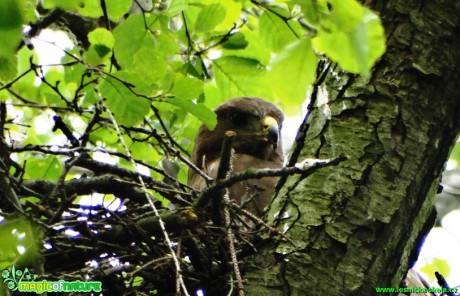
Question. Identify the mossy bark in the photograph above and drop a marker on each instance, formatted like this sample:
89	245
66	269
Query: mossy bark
356	225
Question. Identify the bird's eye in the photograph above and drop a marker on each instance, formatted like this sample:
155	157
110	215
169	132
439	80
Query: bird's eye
238	119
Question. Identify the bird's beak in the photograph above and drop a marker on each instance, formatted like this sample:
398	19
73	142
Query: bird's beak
271	129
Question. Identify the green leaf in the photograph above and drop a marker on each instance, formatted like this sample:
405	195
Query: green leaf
8	68
439	265
236	41
54	76
116	9
176	7
232	16
128	109
102	42
101	36
62	4
19	232
10	15
25	86
312	10
455	154
125	48
255	50
28	11
89	8
152	66
200	111
237	77
351	35
209	17
137	281
144	151
187	88
48	168
292	71
10	28
274	31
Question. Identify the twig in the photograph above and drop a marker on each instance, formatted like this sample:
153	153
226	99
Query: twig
443	283
59	124
5	178
66	200
225	168
305	168
172	152
175	221
9	84
189	38
152	205
168	135
258	221
7	189
134	272
276	13
106	184
304	127
89	128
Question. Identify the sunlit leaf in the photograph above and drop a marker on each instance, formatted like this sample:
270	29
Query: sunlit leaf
351	35
232	15
237	76
200	111
128	109
176	7
102	42
89	8
28	10
116	9
10	28
255	49
274	31
144	151
8	68
209	17
437	265
187	88
101	36
292	71
141	42
19	234
236	41
48	168
455	154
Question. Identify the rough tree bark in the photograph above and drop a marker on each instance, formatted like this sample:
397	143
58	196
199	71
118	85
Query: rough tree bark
357	226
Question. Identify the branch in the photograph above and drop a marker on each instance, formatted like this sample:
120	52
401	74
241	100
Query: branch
305	168
170	150
222	173
7	189
106	184
181	219
321	74
100	167
59	124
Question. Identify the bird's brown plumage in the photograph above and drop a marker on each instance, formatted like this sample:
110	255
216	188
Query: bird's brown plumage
257	124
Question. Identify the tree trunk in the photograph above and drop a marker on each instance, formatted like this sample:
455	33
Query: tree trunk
357	226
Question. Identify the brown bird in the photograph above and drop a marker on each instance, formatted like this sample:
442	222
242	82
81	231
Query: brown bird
257	124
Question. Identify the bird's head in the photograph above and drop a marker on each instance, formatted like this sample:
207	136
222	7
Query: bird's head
257	124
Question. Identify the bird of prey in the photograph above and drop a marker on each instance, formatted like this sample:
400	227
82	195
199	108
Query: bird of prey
257	124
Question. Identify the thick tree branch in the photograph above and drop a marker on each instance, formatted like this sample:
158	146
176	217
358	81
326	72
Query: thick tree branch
106	184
